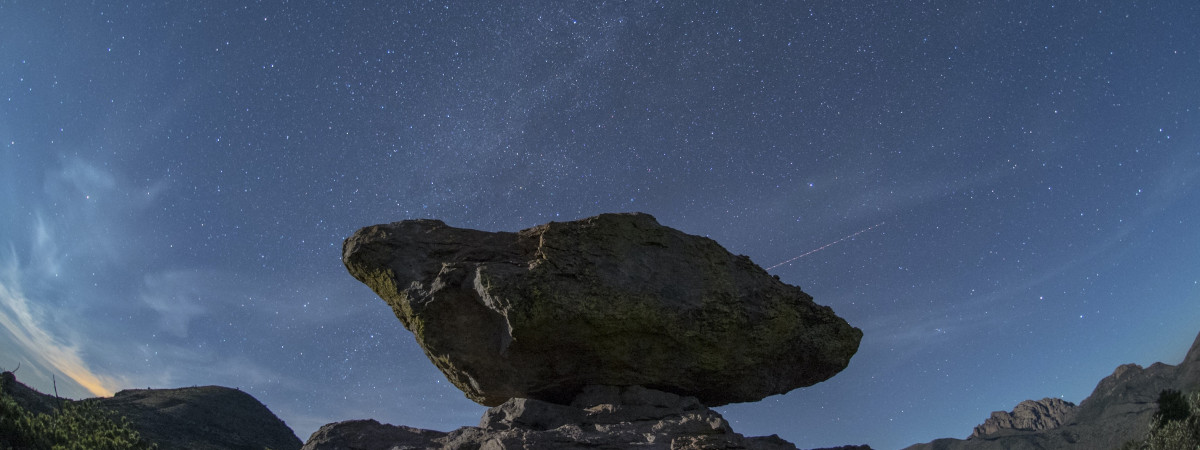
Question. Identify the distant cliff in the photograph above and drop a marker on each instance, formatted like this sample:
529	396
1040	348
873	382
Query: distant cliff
1029	415
1120	409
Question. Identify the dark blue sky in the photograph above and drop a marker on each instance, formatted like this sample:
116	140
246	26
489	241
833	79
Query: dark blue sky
176	179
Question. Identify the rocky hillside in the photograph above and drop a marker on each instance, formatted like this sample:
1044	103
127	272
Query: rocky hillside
1118	410
209	417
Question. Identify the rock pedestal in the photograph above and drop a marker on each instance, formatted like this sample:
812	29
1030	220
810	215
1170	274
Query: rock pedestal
601	417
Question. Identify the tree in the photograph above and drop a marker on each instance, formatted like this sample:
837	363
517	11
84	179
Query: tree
1172	407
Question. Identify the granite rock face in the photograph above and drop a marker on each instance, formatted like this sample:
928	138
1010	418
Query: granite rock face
1119	410
615	299
601	417
1029	415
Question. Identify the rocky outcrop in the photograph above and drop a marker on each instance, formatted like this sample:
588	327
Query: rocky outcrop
1029	415
1118	410
615	299
601	417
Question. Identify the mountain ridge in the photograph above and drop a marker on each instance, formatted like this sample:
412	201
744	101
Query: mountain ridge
1118	410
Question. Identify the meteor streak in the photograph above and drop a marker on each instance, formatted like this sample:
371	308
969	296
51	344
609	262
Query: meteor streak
823	247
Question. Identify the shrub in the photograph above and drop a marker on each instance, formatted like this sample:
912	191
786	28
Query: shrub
1172	407
77	425
1176	425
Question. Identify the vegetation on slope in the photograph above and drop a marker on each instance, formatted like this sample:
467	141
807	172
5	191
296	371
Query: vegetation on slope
75	425
1175	426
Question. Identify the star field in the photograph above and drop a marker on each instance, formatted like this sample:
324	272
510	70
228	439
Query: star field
176	180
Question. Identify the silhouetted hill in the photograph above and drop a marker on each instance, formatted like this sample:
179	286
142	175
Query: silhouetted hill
208	417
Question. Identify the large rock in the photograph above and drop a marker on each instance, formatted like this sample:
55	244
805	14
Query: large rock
602	417
615	299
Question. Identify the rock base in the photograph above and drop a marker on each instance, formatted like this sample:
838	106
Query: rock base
602	417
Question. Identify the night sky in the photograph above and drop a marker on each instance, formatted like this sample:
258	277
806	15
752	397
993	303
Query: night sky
176	180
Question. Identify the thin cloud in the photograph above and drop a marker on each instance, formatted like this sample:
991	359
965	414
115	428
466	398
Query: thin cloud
21	321
35	288
45	255
177	298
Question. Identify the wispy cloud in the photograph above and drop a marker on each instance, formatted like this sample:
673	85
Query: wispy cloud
45	256
39	297
20	318
176	296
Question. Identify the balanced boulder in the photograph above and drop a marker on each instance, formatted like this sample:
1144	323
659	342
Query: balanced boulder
616	299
